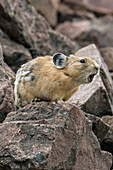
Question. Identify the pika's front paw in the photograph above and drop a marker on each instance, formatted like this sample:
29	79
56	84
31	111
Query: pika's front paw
35	100
57	101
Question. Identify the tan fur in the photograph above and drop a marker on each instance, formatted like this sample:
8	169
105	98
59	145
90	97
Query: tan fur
39	78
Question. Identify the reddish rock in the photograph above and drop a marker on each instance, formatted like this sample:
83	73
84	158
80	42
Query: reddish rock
68	11
14	54
101	6
62	43
99	33
112	75
99	127
64	10
1	56
107	54
73	29
6	90
48	8
48	136
108	139
30	28
96	97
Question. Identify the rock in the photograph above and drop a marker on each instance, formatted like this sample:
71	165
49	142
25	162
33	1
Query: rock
99	127
101	6
64	10
1	56
107	143
44	7
96	97
7	103
22	17
73	29
112	75
107	158
87	31
108	139
68	11
107	54
99	33
10	73
14	54
30	28
50	136
62	43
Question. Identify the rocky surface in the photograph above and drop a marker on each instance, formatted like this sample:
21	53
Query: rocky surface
101	6
108	139
73	29
107	54
31	29
97	30
99	126
64	139
96	97
14	53
47	8
43	135
6	89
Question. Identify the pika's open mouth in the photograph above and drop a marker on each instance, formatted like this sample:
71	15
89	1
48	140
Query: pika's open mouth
90	77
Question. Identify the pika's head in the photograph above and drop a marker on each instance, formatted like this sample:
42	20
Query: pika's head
80	69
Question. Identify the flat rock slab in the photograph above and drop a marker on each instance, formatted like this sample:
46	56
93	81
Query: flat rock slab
96	97
50	136
74	29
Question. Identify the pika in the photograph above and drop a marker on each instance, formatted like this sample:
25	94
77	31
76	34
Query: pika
53	78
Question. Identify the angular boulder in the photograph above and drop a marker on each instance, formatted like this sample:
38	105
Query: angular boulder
44	7
99	127
96	97
30	28
14	53
7	103
50	136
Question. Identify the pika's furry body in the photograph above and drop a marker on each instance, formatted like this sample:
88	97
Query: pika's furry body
53	79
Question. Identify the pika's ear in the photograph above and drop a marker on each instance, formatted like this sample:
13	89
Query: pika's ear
59	60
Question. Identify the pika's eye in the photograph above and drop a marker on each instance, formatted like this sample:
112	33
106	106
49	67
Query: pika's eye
82	61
